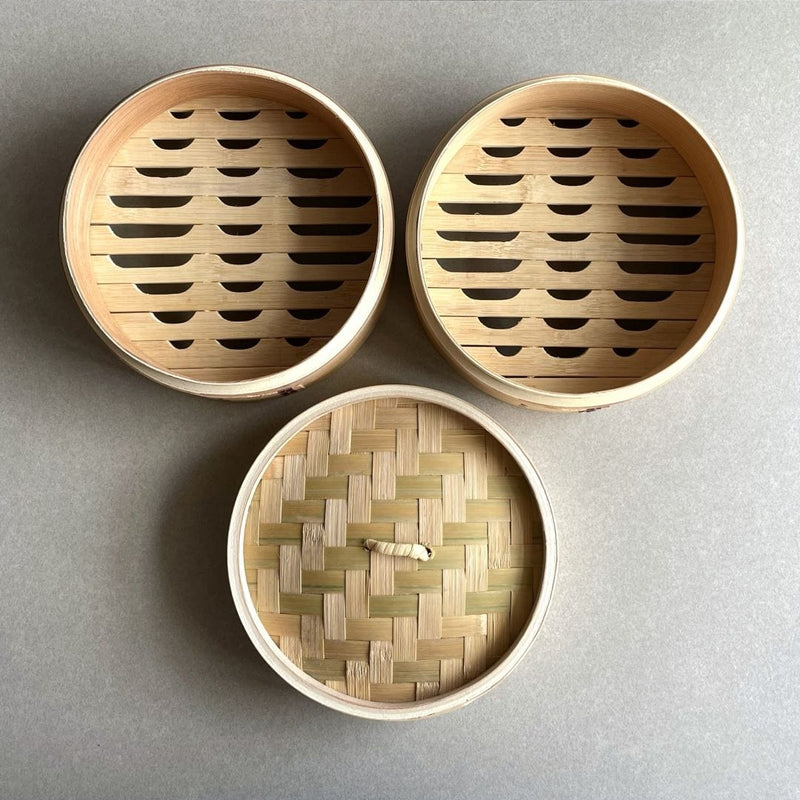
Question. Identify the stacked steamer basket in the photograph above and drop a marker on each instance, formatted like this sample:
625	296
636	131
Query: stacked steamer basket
573	242
381	636
228	232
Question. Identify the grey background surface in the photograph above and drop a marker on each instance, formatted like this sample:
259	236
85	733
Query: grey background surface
669	664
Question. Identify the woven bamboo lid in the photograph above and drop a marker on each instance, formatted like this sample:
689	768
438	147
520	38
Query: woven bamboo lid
228	232
380	635
573	242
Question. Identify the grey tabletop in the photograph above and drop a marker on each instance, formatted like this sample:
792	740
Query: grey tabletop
669	663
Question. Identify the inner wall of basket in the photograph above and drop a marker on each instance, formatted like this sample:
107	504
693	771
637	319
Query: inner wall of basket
373	626
214	289
564	100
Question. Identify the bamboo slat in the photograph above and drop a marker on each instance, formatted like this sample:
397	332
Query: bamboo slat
212	268
208	123
537	188
204	238
221	152
535	332
276	324
533	129
214	210
547	160
595	362
563	218
596	275
267	181
590	247
122	297
595	304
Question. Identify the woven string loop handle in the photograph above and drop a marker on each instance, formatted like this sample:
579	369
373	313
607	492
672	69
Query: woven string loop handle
420	552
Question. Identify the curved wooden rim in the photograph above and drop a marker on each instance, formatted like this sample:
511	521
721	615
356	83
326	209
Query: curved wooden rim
304	682
503	388
346	340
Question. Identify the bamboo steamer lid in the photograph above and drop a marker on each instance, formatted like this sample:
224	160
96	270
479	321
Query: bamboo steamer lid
387	636
228	232
573	242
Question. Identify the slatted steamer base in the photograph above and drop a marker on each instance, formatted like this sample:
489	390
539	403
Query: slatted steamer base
565	244
381	628
231	235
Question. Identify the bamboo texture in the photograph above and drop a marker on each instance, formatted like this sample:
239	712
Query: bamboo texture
562	239
230	235
197	234
373	626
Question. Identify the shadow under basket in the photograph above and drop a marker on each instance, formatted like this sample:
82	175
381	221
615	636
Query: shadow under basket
573	242
393	635
228	232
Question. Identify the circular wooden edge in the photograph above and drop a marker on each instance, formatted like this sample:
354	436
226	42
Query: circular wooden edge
305	683
505	389
345	341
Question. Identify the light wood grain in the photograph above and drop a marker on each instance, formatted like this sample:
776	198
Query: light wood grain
593	218
212	152
553	213
545	159
543	189
412	623
228	189
597	304
604	275
211	268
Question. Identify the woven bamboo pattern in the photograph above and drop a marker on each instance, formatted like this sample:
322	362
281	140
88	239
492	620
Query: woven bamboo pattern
232	236
568	248
385	628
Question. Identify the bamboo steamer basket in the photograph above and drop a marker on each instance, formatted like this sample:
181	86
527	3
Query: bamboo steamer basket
228	232
573	242
373	634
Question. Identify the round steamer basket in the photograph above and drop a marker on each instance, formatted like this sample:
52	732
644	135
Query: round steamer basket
387	635
228	232
573	242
